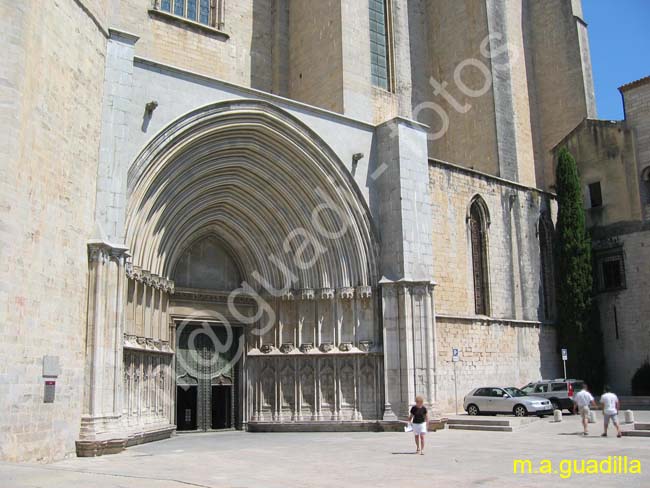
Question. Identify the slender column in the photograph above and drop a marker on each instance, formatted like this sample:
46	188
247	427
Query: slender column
120	257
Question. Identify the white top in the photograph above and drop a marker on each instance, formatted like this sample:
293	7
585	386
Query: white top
609	403
583	398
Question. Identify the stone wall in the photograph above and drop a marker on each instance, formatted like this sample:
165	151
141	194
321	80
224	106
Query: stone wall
561	77
605	153
316	56
240	52
51	91
492	353
513	244
624	313
513	345
472	137
636	99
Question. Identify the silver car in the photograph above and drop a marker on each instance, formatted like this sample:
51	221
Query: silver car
493	399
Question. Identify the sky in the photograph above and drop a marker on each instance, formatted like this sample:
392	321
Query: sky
619	37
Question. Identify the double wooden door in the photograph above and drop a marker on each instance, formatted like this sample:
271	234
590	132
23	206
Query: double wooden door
206	377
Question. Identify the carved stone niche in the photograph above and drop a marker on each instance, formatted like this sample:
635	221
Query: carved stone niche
345	293
266	348
287	347
365	346
306	347
326	293
326	347
364	292
345	346
287	295
307	294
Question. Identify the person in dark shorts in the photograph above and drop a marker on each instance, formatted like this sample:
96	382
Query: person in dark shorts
419	419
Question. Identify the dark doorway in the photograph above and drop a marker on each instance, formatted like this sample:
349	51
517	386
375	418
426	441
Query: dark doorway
222	406
186	413
212	370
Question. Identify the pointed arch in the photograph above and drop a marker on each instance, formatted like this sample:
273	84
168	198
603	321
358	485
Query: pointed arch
478	220
265	184
547	265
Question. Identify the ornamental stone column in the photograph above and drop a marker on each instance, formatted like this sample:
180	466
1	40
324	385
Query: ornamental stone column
401	201
101	427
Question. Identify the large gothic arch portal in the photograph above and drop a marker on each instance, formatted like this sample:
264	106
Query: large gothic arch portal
278	200
253	174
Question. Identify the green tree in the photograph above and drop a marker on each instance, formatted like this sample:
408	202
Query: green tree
578	329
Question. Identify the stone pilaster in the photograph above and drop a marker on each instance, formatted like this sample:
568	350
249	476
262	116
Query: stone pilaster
102	408
409	345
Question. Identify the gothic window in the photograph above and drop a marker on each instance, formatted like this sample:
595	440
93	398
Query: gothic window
547	266
206	12
379	43
478	222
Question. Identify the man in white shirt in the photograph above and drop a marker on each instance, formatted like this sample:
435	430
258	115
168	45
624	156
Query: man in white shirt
581	403
610	404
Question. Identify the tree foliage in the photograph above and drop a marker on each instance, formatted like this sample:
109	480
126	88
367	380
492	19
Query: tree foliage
578	327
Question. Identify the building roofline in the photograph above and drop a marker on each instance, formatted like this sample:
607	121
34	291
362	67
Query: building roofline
634	84
583	122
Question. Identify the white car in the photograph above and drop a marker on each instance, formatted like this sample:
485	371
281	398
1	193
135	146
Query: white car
493	399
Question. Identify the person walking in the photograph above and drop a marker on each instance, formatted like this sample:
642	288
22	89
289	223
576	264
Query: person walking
419	419
610	404
581	403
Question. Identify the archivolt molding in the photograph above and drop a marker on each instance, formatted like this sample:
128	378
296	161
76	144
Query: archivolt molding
253	175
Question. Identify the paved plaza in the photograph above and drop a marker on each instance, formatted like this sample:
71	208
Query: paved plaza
240	459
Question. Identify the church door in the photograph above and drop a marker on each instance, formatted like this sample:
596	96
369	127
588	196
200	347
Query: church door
206	378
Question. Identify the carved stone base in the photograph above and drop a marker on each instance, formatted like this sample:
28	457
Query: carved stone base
342	426
100	447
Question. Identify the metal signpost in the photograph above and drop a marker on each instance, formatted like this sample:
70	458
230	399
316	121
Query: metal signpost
455	357
565	356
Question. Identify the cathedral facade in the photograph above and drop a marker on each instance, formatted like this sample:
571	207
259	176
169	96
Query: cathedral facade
275	214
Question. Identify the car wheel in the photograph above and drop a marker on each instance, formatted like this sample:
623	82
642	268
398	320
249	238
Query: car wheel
520	411
472	409
555	404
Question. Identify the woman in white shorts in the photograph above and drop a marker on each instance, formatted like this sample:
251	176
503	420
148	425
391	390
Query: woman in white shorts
419	418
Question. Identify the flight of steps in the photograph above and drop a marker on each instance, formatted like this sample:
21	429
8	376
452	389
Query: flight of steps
641	429
490	424
635	402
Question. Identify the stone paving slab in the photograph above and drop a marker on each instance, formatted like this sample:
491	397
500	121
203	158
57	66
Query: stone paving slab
273	460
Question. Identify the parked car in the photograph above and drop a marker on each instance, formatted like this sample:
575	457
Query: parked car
559	392
493	400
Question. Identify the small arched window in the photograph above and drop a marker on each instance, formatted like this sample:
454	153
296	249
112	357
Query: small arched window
547	270
478	219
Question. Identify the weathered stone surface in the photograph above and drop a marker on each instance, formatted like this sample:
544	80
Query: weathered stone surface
136	134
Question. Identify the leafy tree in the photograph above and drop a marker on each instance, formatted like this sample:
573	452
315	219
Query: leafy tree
578	328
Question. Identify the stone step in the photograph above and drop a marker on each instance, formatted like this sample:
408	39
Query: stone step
480	421
488	428
635	402
636	433
642	426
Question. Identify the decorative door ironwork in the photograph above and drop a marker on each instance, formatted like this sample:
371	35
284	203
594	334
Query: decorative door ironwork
206	378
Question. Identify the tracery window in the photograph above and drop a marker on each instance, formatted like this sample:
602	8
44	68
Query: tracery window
478	220
206	12
379	43
547	266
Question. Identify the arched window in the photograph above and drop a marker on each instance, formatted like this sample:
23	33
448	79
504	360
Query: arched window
478	220
547	269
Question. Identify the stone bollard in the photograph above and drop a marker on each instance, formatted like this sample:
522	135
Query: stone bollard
629	417
557	415
592	417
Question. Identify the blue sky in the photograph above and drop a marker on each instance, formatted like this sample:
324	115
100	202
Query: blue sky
619	36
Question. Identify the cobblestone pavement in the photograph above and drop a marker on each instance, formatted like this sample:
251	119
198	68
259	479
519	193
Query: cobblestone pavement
239	459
